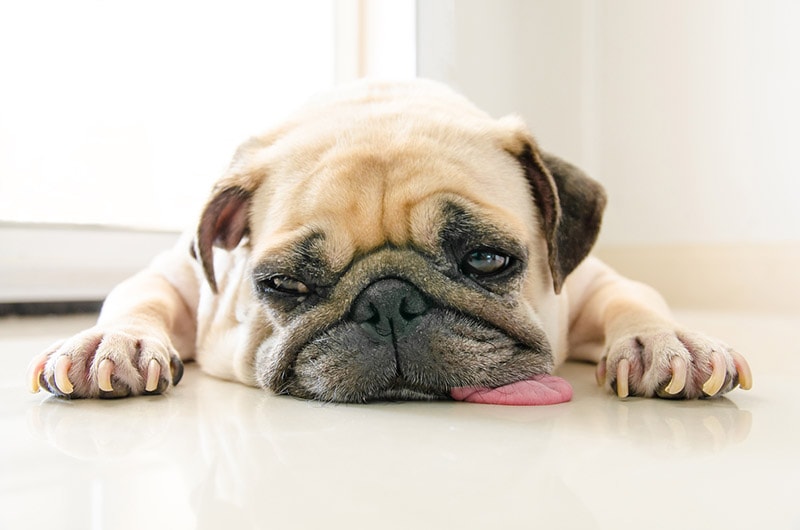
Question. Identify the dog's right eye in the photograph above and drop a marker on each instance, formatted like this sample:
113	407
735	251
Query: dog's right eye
285	285
482	263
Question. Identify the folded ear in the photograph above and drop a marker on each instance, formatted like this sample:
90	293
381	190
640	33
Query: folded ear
582	201
224	223
570	203
225	220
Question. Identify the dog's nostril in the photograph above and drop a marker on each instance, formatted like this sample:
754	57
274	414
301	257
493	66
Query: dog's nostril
413	306
388	308
375	319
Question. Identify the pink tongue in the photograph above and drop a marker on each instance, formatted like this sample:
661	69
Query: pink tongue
539	390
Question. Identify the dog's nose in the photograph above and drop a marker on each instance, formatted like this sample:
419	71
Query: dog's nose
389	309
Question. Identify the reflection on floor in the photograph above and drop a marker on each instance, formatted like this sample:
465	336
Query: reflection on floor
215	454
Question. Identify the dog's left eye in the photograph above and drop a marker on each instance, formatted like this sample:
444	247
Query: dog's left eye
481	263
285	285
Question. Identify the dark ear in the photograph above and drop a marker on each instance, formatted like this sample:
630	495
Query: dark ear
226	218
571	205
225	221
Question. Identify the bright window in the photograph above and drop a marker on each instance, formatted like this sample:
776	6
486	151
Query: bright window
124	113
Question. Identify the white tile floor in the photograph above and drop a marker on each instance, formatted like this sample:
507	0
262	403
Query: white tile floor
215	454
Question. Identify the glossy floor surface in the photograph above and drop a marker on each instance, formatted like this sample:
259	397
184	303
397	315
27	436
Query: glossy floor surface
215	454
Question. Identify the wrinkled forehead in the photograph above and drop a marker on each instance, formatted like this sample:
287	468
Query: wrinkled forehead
389	186
437	226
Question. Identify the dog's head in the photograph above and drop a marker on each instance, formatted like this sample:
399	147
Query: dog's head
402	243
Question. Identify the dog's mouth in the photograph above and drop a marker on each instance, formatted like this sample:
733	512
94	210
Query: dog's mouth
542	389
448	356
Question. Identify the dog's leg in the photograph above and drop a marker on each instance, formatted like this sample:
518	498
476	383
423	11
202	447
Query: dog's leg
146	327
626	328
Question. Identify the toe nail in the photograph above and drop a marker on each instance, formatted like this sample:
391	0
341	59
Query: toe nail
63	383
678	381
717	378
743	369
104	372
600	373
35	371
33	382
153	374
176	369
623	370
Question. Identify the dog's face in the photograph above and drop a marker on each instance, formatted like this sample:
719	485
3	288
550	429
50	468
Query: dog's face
401	243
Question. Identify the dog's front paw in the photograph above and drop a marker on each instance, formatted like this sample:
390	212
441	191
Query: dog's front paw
672	364
106	363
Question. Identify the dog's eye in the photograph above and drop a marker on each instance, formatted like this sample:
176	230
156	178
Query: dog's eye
286	285
484	263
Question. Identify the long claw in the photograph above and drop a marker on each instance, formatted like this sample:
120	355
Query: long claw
678	381
63	364
153	373
743	369
623	370
600	372
35	370
104	372
717	378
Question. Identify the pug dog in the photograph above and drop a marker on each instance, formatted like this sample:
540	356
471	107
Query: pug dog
390	241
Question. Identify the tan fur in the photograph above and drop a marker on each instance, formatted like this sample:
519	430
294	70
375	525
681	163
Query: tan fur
370	167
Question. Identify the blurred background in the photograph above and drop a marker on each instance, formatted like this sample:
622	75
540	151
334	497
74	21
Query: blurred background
116	118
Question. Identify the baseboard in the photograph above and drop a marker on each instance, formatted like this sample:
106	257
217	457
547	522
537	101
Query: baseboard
43	264
67	307
743	277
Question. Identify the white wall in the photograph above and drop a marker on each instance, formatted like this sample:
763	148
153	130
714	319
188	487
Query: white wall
686	110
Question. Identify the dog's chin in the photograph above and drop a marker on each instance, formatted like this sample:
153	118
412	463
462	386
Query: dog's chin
406	394
394	391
